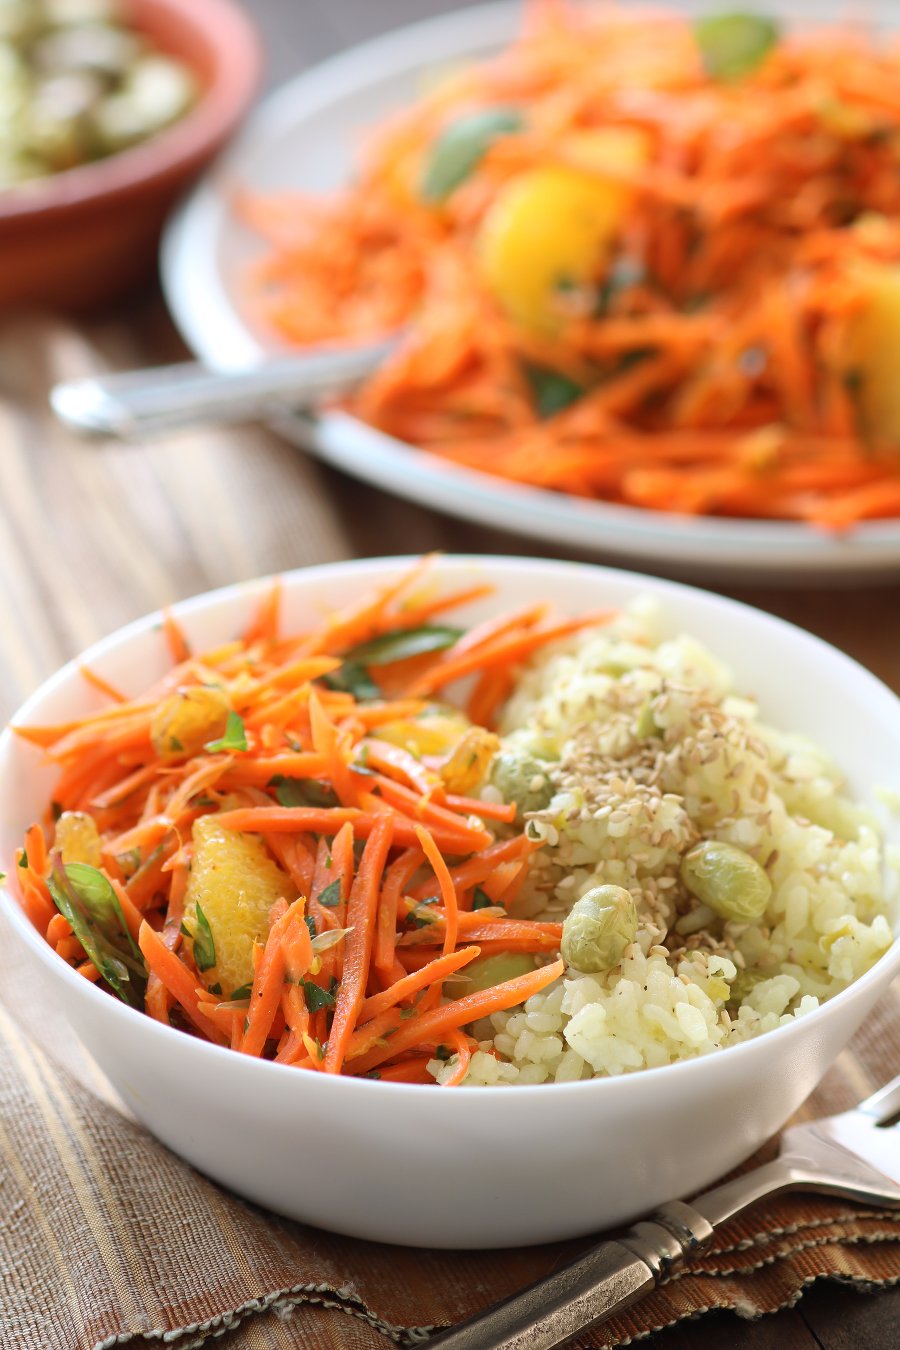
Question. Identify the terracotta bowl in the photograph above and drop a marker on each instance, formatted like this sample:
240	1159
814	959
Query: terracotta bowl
80	239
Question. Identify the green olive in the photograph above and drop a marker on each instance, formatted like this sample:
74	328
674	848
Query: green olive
599	928
727	879
522	779
486	971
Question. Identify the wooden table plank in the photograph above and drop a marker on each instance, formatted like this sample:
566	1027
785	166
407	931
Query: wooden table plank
785	1331
847	1319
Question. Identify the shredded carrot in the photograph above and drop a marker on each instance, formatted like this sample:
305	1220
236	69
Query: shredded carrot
506	651
404	988
490	691
485	926
295	858
264	625
499	879
415	612
36	850
398	877
476	869
364	619
487	632
447	889
412	1070
265	996
342	863
435	1023
375	866
70	949
94	678
31	873
36	902
133	916
505	811
467	835
174	634
328	820
57	928
361	910
330	743
116	794
176	977
296	1016
460	1045
395	761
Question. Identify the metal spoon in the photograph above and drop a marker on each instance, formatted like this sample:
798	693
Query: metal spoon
131	404
855	1154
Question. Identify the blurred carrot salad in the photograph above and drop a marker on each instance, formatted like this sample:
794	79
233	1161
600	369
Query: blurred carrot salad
636	257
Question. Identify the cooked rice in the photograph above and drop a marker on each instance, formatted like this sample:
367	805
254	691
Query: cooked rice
626	807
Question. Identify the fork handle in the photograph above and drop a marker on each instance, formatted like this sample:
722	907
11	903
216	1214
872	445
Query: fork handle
603	1280
136	403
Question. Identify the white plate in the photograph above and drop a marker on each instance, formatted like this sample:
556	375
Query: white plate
305	136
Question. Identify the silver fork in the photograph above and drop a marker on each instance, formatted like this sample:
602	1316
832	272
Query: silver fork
855	1155
133	403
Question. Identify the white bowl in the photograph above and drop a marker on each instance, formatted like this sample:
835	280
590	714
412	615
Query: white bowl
468	1167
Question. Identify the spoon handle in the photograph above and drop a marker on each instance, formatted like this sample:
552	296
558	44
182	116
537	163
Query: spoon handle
604	1279
138	403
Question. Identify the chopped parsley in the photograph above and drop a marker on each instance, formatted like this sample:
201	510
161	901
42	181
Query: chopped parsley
551	391
403	643
302	792
733	45
204	945
331	895
234	738
316	997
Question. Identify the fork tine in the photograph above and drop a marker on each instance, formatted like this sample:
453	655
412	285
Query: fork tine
884	1103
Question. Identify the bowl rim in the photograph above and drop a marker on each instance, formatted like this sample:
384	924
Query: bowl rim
236	47
881	973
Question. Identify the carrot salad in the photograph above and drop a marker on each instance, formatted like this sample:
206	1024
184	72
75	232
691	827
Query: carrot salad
634	257
278	847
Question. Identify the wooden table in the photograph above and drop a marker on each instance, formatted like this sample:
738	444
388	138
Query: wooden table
93	536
